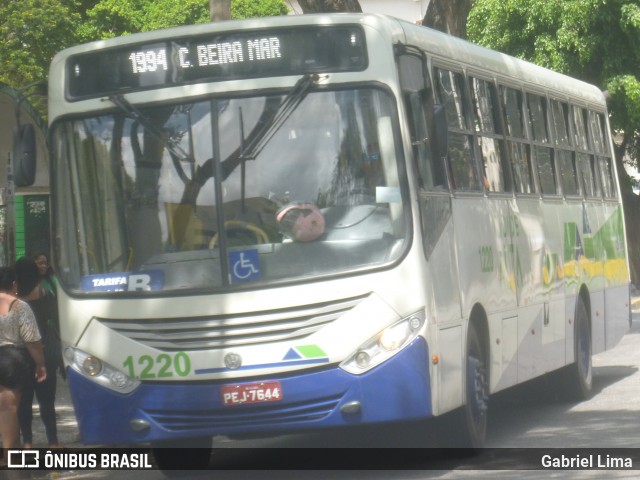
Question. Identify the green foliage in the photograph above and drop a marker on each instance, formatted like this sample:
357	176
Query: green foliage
111	18
625	110
252	8
31	32
171	13
594	40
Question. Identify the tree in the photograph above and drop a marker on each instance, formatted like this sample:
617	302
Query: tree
449	16
596	41
32	31
238	9
593	40
220	10
111	18
251	8
329	6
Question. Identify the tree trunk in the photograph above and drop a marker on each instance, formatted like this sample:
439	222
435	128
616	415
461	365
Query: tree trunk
449	16
220	10
631	206
329	6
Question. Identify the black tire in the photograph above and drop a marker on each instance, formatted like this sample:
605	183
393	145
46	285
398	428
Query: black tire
581	371
475	409
183	454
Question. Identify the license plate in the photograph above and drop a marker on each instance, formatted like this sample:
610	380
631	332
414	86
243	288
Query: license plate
250	393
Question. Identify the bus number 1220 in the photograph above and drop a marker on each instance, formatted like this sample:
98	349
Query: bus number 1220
163	366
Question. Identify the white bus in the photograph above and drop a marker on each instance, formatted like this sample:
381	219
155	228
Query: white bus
293	223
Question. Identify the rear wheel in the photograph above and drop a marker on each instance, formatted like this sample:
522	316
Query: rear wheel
581	371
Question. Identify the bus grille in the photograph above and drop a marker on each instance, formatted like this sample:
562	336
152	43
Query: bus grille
277	415
225	331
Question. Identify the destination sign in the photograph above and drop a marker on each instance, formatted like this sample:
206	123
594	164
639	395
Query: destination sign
217	57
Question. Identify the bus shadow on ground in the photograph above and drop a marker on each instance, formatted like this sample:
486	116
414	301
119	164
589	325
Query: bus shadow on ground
551	388
531	410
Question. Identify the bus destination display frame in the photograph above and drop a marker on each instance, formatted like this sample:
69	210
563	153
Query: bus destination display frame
216	57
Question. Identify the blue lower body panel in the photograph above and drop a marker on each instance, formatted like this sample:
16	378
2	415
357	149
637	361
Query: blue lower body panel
397	390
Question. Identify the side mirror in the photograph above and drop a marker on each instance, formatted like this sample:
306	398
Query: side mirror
412	76
24	155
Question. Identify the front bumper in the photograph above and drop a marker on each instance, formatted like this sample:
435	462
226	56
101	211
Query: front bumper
397	390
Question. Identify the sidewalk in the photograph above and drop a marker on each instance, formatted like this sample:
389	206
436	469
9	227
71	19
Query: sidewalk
67	426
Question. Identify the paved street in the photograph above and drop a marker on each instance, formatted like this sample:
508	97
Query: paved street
67	425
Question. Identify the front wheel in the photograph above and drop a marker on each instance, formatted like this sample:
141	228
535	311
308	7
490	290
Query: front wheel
475	410
467	427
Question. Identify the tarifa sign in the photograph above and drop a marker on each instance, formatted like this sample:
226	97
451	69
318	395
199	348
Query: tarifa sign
142	280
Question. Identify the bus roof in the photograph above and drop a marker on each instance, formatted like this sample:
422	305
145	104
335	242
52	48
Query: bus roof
439	45
506	68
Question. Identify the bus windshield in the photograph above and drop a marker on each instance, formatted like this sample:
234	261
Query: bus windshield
282	187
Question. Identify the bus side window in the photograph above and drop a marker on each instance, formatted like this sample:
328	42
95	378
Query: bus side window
450	92
606	174
431	171
603	155
520	153
418	100
497	177
584	157
565	158
543	154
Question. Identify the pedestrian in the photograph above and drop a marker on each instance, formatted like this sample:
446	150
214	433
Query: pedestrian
44	307
49	283
21	357
47	278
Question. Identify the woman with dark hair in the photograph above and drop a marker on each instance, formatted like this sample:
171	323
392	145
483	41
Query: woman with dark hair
20	349
47	279
45	310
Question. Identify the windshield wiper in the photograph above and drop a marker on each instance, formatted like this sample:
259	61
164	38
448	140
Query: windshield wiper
172	145
258	139
262	137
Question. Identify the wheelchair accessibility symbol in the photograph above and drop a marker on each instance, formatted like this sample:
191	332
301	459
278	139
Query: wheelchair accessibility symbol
244	265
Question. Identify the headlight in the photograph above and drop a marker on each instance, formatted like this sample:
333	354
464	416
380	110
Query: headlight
98	371
92	366
384	345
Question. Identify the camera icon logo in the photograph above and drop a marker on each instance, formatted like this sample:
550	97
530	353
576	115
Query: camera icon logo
23	459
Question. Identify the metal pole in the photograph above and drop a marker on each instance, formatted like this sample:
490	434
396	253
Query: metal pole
10	220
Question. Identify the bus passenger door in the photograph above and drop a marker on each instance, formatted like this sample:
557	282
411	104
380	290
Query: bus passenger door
436	224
